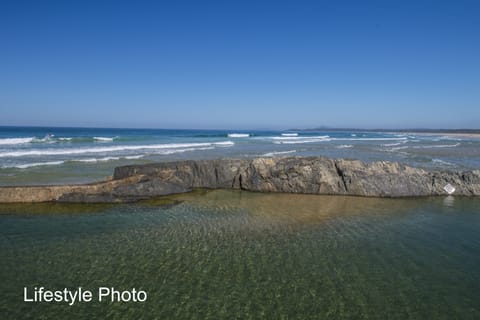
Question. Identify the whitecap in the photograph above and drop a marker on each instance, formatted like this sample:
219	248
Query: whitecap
437	146
104	159
399	148
103	139
69	151
238	135
370	139
300	140
344	146
394	144
450	138
289	134
135	157
442	162
12	141
48	138
35	164
166	152
275	153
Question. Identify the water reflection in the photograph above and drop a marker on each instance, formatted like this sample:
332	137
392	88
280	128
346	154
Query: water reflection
298	208
449	201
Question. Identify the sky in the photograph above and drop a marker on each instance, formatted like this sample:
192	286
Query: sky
240	64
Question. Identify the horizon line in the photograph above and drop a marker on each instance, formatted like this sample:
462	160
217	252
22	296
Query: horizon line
320	128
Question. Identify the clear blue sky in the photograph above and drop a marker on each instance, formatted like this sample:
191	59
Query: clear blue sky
240	64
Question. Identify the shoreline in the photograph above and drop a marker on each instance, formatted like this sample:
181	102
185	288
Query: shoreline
448	134
303	175
463	133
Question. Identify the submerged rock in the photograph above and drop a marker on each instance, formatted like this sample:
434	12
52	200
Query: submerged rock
308	175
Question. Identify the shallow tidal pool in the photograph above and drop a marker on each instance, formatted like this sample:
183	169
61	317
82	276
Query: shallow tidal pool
239	255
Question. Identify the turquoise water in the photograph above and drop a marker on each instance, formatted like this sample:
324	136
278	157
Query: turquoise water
237	255
76	155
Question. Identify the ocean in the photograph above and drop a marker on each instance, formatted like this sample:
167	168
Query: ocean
40	155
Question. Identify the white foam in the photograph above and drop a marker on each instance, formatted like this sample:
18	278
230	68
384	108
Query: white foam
65	139
437	146
135	157
183	150
113	149
440	161
35	164
275	153
48	138
370	139
238	135
108	158
440	138
11	141
399	148
344	146
289	134
300	138
103	139
450	138
299	141
394	144
96	159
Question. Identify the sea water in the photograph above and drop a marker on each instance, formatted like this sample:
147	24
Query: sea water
75	155
240	255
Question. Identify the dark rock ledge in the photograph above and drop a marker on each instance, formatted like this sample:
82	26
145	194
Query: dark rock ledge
308	175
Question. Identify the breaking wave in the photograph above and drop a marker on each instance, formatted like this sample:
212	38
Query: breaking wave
108	158
276	153
299	140
238	135
437	146
370	139
35	164
13	141
103	139
394	144
70	151
443	162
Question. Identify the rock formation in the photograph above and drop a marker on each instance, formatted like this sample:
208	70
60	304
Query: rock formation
309	175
